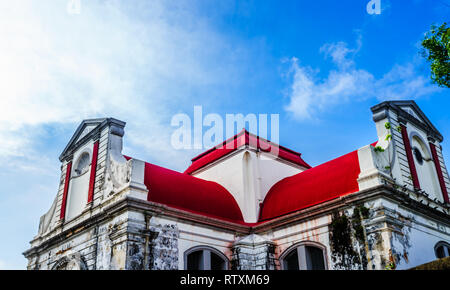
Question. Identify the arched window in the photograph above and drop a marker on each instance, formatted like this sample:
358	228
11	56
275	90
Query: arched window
426	171
442	250
72	262
304	256
204	258
77	195
82	164
418	155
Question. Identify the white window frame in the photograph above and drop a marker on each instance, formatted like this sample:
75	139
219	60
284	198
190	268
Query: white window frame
301	254
206	255
446	247
88	151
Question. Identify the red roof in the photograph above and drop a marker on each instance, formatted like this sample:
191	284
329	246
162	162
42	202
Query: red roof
241	139
189	193
319	184
313	186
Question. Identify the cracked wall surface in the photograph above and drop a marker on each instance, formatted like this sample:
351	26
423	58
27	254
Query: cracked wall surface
164	249
390	237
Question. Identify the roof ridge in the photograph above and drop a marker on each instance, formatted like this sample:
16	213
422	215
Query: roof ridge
251	140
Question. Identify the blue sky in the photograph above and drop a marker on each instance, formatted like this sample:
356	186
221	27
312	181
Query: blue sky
319	64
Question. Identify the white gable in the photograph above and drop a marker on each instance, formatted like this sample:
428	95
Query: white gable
410	110
85	132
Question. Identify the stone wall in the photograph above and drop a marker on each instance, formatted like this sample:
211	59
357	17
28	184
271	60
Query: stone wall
253	253
164	248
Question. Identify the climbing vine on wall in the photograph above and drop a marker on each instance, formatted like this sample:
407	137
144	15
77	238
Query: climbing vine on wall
360	213
347	239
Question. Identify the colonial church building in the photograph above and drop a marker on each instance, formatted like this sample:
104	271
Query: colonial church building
240	206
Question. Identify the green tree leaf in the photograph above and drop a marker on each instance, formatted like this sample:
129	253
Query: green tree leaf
437	51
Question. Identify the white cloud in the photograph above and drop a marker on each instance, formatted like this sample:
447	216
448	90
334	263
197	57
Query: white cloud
309	96
113	59
403	81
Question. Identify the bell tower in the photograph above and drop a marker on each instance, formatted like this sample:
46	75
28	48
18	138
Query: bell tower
413	146
84	170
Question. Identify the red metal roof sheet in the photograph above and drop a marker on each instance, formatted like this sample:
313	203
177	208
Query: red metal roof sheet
189	193
319	184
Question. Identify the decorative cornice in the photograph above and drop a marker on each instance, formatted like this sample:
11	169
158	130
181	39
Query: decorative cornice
116	129
325	208
130	203
161	209
405	117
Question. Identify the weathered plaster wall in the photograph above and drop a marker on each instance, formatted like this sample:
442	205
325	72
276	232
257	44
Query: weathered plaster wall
413	236
253	252
314	229
192	235
98	247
